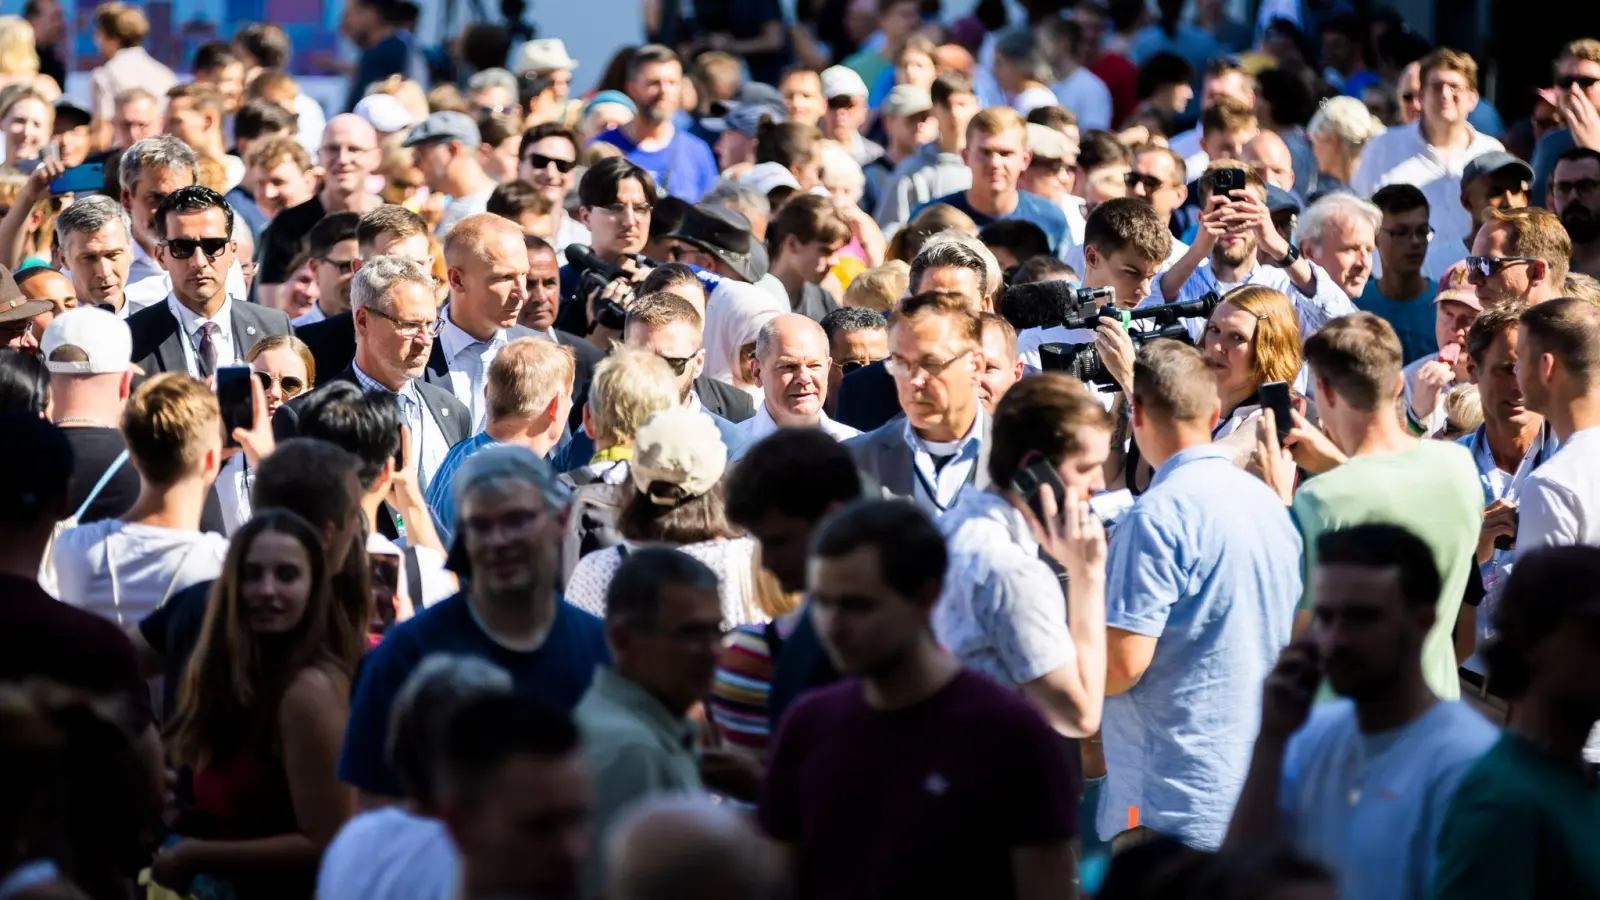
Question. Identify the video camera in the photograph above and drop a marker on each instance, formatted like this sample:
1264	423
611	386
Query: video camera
1083	362
594	274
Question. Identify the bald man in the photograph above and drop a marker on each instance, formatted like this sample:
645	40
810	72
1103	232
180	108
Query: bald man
1268	155
488	276
348	155
44	283
792	365
688	848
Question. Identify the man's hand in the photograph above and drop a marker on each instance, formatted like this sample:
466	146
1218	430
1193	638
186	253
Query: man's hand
1290	687
37	187
1072	536
1271	462
1582	118
1214	223
1117	352
1499	520
1312	450
1433	379
1247	212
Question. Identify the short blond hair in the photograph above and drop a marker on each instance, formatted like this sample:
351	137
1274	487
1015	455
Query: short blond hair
1448	60
18	53
213	174
996	120
1536	233
526	375
274	150
168	424
1587	49
879	288
629	387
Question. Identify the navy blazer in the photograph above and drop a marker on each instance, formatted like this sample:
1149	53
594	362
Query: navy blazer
867	398
158	340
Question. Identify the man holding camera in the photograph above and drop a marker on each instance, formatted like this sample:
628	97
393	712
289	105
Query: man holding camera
1237	245
615	199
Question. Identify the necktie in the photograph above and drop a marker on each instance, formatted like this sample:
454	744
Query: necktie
207	350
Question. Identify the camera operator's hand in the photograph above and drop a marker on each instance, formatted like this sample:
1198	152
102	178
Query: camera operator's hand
1116	350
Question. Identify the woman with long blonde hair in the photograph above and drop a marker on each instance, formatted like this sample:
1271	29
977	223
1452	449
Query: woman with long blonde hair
260	716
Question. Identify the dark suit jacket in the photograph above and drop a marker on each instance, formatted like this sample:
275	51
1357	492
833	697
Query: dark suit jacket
867	398
724	399
158	340
332	342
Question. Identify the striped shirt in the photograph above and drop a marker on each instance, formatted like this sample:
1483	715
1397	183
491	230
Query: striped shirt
441	498
741	692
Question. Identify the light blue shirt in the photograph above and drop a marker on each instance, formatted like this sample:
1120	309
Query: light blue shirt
1370	806
441	498
935	487
1208	563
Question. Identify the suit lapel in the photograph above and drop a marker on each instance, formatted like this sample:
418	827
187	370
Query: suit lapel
453	427
169	353
897	465
247	328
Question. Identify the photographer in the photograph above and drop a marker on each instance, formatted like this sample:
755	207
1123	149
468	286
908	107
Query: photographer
615	199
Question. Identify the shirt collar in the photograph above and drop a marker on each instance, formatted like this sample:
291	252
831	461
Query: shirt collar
675	731
694	403
1189	455
191	321
456	340
973	435
368	383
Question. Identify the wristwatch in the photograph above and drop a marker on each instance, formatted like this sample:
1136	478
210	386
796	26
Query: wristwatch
1289	259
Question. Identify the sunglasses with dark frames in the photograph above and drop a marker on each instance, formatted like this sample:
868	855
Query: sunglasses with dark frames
1581	82
343	265
850	365
1487	266
183	248
1150	182
291	386
537	161
679	364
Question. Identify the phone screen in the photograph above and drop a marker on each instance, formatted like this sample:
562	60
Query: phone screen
233	395
1274	395
80	179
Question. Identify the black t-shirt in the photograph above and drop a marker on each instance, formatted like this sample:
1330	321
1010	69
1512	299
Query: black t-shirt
283	237
94	450
814	303
172	631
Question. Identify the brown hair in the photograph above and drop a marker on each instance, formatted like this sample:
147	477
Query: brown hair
1128	223
996	120
206	98
808	219
715	69
1569	330
526	375
1536	233
1587	49
269	84
937	217
947	85
1359	356
1228	116
1008	332
917	43
662	308
287	341
696	519
1450	61
940	303
1489	325
1045	414
1173	381
789	144
123	23
514	198
1277	341
165	424
269	153
389	219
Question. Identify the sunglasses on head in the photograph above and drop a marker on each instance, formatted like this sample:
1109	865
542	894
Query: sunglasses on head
291	385
538	161
1581	82
183	248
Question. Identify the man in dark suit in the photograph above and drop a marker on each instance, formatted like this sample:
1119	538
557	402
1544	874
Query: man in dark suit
867	398
199	327
396	324
938	447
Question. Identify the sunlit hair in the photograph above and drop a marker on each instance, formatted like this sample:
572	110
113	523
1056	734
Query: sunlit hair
287	342
1276	344
168	424
236	679
19	54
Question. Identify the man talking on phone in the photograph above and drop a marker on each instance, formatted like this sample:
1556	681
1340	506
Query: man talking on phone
1362	784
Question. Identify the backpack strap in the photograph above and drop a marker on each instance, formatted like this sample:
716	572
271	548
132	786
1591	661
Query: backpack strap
105	479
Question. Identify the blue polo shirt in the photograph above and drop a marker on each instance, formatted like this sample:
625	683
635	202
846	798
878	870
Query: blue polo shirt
1030	208
555	675
685	168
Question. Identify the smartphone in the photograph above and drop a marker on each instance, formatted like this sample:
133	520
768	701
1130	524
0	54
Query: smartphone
1274	395
385	571
400	451
1225	181
1506	541
82	179
233	395
1030	480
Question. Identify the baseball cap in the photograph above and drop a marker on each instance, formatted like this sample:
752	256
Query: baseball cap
96	342
384	113
769	176
906	100
1280	200
745	118
1047	143
1453	285
839	81
445	125
1492	162
677	448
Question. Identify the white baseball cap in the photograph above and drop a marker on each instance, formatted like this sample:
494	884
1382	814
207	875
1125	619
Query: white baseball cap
384	113
838	81
102	339
769	176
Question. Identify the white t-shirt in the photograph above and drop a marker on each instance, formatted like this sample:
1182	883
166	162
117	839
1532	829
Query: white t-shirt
437	582
122	571
392	854
1033	98
1086	95
1401	156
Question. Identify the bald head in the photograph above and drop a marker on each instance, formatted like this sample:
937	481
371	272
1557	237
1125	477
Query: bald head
488	274
348	155
792	370
473	235
687	848
48	284
1268	155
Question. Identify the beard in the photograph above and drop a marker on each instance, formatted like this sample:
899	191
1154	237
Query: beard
1581	223
1235	254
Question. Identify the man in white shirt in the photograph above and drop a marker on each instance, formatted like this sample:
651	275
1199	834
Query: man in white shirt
94	239
1560	379
1433	152
488	273
546	159
792	365
1237	244
1079	89
334	252
446	147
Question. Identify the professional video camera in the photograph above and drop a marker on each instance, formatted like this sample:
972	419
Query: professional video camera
594	274
1083	362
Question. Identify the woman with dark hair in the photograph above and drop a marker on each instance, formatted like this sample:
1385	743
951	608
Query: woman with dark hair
676	501
261	714
24	382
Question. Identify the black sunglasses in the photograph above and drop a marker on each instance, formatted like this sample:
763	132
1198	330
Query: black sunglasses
291	385
538	161
679	364
1150	182
850	365
1581	82
1487	266
183	248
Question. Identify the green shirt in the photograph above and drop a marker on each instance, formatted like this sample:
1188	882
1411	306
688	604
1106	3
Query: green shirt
1521	826
635	748
1432	490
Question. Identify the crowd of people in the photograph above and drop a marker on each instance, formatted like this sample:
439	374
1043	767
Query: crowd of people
1072	450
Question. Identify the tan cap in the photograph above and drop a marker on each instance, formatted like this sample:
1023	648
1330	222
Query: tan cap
678	448
1045	142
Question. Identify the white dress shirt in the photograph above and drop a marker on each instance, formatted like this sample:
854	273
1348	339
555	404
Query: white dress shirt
1401	156
761	424
428	443
936	490
468	359
569	231
229	353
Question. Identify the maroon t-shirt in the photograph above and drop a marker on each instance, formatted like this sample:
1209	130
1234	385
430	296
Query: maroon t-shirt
922	802
41	637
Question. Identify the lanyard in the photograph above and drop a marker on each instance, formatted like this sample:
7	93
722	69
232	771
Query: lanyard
1484	457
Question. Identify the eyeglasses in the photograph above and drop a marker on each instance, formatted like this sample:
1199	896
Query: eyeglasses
1408	97
679	364
850	365
932	368
409	330
183	248
537	161
343	265
640	210
290	385
1148	182
1420	235
1487	266
1580	186
1581	82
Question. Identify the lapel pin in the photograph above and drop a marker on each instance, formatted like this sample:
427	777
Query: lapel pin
249	329
444	412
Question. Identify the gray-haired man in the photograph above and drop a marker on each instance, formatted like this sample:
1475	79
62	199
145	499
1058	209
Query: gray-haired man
94	247
150	170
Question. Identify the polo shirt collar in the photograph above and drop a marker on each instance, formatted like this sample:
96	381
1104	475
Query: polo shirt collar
673	730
